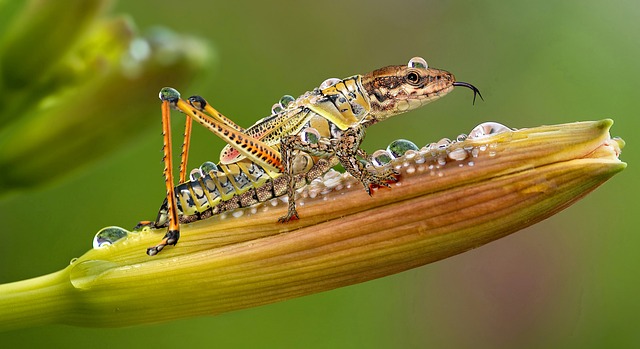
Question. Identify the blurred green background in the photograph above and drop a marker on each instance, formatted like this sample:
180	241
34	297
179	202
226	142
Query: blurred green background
571	281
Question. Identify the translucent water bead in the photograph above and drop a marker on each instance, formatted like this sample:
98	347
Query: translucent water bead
418	62
486	129
286	100
329	82
398	147
276	109
310	135
207	167
109	235
195	174
380	158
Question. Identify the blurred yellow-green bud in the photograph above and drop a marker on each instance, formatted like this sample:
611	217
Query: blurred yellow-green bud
451	197
72	98
41	36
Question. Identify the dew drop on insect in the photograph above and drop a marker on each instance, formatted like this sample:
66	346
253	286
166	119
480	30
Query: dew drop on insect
486	129
109	235
208	167
329	82
195	174
310	135
418	62
286	100
276	109
380	157
398	147
461	137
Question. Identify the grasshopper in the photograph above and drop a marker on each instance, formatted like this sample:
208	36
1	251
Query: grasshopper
302	139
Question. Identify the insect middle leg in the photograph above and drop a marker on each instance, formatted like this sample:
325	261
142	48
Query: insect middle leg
345	150
357	162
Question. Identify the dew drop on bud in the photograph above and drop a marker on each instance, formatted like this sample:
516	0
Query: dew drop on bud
486	129
380	158
458	154
398	147
109	235
443	143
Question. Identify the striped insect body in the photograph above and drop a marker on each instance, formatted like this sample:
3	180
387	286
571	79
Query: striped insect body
302	139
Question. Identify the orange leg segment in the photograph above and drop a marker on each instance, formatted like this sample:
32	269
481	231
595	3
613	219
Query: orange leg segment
185	150
248	146
173	234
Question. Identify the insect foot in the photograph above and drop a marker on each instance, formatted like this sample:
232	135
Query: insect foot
378	180
170	238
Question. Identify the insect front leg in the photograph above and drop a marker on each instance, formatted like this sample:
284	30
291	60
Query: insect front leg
290	148
358	163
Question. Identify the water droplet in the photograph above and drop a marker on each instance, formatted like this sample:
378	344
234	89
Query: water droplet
286	100
458	154
461	137
329	82
418	62
429	147
380	157
398	147
410	154
109	235
208	167
486	129
73	260
195	174
310	135
237	213
443	143
276	109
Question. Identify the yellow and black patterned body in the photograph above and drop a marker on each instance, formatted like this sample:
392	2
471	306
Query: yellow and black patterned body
239	182
302	139
336	104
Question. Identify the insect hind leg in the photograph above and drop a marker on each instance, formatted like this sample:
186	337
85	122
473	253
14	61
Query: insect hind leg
169	98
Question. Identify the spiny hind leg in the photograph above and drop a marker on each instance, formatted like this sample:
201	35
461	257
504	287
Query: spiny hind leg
168	97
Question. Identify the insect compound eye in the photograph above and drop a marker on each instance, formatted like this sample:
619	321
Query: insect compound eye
413	78
197	102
